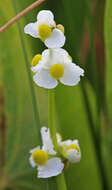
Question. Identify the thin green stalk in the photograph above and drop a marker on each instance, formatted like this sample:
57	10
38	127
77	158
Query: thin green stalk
61	184
52	126
36	114
51	116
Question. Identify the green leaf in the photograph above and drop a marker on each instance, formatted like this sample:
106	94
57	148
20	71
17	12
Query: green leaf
73	121
21	128
108	45
108	84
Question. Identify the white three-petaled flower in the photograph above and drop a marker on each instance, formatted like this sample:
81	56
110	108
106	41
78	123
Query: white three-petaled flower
44	159
70	149
55	65
45	29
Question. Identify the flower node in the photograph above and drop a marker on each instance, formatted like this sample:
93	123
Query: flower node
36	60
44	31
57	71
39	157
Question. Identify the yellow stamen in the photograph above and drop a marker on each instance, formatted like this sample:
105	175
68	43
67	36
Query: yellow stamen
36	60
73	146
70	58
60	27
39	157
44	31
57	71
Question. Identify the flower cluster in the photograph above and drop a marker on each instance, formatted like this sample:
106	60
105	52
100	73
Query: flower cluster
46	29
50	162
54	65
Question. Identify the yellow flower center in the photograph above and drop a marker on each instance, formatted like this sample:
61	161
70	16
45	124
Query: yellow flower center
60	27
57	71
70	58
73	146
44	31
39	157
36	60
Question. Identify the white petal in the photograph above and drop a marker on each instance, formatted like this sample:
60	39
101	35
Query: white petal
72	74
31	29
69	142
61	52
55	53
45	53
54	56
52	168
37	67
45	14
73	155
47	142
66	143
59	56
34	69
46	21
46	59
76	142
32	162
56	40
44	79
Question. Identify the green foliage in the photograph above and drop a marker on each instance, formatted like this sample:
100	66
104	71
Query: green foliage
21	129
108	90
108	44
74	124
75	115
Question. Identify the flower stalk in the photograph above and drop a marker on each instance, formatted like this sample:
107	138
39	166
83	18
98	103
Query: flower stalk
51	116
61	184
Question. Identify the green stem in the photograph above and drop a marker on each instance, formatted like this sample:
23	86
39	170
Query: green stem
52	126
61	182
51	116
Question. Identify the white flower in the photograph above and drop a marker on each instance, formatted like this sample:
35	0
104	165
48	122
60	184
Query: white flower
44	159
45	29
71	150
56	65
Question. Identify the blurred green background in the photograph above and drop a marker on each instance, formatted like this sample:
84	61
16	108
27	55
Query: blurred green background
83	112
